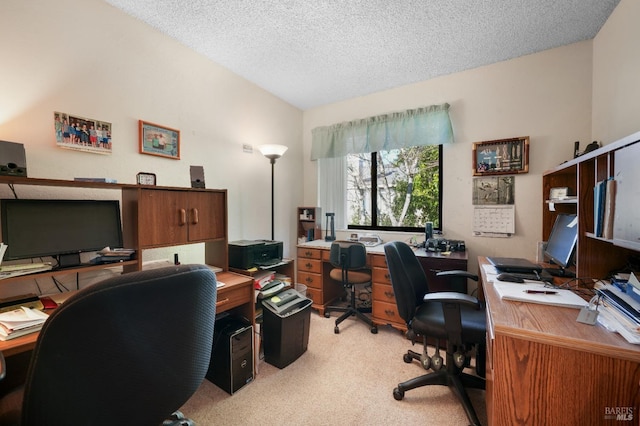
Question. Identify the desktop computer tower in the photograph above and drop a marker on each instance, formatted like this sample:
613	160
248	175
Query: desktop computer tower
231	365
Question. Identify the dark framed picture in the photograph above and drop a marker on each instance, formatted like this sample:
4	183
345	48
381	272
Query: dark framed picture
501	157
159	140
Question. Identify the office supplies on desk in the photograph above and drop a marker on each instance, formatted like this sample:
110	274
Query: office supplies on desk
21	321
532	293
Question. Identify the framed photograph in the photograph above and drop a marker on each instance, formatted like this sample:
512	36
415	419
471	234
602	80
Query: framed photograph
82	133
159	140
501	157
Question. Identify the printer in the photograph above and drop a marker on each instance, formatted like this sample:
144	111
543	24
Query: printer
246	254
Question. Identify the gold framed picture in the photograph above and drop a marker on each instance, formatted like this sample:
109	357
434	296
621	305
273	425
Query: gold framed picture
501	157
159	140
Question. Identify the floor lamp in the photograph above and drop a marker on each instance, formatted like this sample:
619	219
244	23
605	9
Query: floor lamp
272	152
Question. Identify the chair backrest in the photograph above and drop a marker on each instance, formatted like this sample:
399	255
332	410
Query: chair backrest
407	278
128	350
348	255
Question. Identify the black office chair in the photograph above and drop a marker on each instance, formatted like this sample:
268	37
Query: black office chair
128	350
349	259
455	317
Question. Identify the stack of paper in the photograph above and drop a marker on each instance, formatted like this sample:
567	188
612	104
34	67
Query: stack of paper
20	322
539	293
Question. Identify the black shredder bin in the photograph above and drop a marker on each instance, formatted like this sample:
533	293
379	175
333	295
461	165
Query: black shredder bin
285	327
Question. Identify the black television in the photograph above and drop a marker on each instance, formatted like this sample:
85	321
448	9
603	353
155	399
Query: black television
562	244
59	228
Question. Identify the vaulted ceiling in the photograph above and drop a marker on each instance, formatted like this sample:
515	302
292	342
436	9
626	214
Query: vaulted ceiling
315	52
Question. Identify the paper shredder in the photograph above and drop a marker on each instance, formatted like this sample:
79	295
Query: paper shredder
285	327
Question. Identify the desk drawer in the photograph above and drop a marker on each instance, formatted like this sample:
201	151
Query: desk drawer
310	280
232	297
309	253
315	294
383	293
386	312
381	275
378	260
310	265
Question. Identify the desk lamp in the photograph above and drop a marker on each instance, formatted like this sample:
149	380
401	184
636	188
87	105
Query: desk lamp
330	228
272	152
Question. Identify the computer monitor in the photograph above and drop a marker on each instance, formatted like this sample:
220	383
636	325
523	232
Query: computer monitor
59	228
562	244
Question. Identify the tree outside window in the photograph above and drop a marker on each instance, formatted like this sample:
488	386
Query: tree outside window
398	189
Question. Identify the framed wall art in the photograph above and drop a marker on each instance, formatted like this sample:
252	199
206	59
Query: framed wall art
501	157
159	140
82	133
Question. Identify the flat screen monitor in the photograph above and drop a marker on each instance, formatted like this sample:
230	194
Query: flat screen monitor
39	228
562	243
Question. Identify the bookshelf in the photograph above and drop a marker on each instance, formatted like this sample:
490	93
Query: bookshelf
596	255
309	219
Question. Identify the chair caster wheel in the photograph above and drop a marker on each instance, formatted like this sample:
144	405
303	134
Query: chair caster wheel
374	330
407	358
336	330
398	394
327	315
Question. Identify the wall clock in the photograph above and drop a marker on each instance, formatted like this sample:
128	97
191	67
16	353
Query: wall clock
144	178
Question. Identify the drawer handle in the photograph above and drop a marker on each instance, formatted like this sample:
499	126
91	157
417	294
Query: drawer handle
308	265
387	277
194	213
222	302
389	294
183	217
308	253
390	313
309	280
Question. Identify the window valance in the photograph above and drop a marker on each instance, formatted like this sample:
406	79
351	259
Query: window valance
429	125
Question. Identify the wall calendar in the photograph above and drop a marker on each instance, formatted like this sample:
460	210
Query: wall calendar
494	221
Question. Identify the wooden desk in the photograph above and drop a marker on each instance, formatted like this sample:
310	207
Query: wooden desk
544	367
314	267
237	294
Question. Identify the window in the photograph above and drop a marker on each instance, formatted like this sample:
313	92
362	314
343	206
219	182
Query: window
399	189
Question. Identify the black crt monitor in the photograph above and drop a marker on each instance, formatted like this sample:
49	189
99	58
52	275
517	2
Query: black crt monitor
59	228
562	244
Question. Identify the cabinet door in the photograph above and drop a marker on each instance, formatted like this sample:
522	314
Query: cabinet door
162	218
207	216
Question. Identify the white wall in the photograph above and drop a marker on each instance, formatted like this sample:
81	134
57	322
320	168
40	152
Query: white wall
546	96
616	65
87	58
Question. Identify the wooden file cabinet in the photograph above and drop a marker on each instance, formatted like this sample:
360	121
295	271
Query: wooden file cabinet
314	268
384	308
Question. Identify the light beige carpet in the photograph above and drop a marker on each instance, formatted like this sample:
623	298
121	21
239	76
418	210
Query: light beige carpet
345	379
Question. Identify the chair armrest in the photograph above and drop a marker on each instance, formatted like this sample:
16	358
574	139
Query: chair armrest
452	297
457	273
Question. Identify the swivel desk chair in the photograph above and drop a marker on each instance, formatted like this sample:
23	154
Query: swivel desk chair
349	258
455	317
128	350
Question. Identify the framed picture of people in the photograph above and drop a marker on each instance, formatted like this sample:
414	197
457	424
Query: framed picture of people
501	157
81	133
159	140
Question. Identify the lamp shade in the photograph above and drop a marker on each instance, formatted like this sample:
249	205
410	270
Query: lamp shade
273	151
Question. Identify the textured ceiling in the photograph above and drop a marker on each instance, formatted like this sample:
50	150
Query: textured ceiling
315	52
